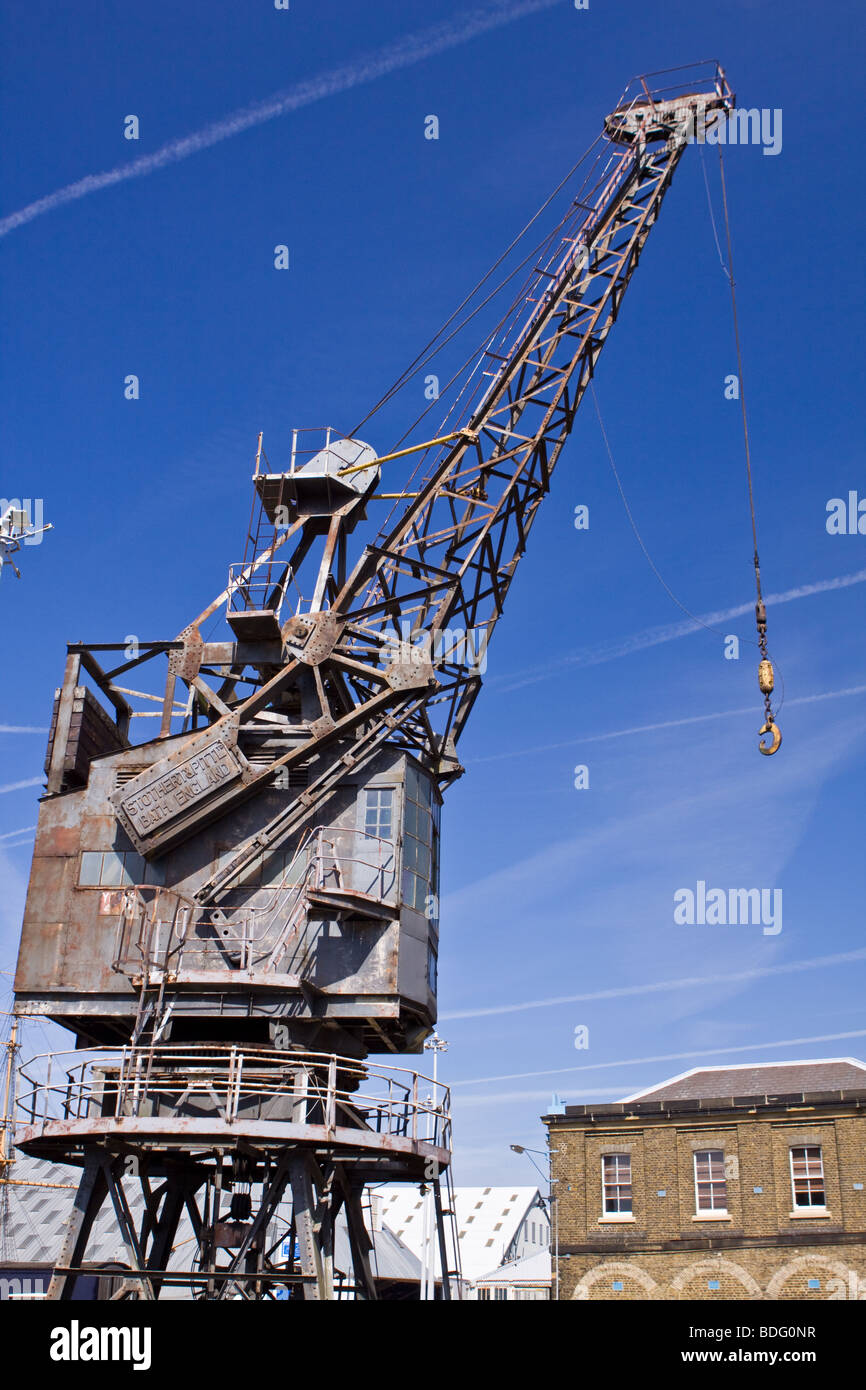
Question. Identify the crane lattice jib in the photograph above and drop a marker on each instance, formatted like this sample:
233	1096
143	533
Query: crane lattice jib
447	564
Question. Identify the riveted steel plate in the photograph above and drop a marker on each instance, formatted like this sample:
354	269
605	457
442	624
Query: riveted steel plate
311	637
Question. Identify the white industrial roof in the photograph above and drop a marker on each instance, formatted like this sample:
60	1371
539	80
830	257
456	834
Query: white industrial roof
488	1218
531	1270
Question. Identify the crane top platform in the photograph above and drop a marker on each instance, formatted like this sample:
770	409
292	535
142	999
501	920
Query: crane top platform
320	480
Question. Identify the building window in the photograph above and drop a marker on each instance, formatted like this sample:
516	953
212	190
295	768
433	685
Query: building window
616	1183
378	810
113	868
807	1176
711	1189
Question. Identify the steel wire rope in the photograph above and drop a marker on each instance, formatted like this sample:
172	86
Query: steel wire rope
476	357
759	607
419	361
639	538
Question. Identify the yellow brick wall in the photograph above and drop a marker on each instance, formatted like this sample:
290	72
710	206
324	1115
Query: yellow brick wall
756	1146
743	1274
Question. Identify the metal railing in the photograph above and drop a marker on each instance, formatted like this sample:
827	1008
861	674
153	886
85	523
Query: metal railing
263	591
230	1084
315	440
158	926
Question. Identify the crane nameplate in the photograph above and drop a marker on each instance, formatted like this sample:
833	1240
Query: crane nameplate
149	804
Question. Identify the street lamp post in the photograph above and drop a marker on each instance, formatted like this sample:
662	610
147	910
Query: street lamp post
551	1197
434	1044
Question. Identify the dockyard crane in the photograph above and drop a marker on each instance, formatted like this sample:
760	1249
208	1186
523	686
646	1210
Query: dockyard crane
262	873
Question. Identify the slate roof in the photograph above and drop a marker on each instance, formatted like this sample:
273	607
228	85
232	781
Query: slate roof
760	1079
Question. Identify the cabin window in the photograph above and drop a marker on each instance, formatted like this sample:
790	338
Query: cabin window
378	812
432	973
420	841
113	868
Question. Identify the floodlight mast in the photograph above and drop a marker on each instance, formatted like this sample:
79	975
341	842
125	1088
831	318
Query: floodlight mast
16	529
253	892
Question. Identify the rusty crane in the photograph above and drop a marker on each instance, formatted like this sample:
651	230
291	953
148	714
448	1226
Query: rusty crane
231	914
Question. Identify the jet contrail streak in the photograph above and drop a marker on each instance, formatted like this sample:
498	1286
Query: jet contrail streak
10	834
665	724
21	729
792	967
666	1057
513	1097
405	52
16	786
670	632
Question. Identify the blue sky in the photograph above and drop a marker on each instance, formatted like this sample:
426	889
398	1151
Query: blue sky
548	892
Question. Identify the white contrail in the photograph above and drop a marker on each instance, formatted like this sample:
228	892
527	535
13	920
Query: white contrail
666	1057
10	834
665	724
21	729
669	632
16	786
792	967
414	48
513	1097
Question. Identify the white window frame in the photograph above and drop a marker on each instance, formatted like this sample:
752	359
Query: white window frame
817	1207
618	1211
713	1182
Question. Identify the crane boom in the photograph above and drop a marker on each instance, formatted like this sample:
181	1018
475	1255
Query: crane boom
464	534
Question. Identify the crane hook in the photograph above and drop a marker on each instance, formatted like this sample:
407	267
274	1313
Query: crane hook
770	728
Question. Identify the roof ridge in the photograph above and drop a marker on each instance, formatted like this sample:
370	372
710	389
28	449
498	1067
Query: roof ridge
742	1066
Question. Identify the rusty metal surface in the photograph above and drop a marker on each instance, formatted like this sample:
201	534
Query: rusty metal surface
217	1097
58	1136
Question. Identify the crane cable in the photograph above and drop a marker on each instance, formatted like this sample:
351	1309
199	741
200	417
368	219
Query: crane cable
708	627
765	667
434	345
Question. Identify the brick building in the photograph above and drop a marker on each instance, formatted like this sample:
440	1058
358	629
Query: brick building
725	1182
